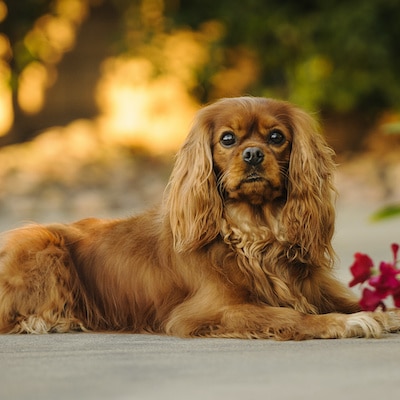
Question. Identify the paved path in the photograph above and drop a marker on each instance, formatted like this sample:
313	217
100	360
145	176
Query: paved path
90	366
144	367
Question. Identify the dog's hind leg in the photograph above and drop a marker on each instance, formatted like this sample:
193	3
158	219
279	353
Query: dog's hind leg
39	286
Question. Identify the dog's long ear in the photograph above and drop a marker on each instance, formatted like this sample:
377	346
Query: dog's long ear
193	201
308	216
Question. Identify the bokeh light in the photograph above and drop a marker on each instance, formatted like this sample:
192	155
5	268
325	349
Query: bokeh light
158	61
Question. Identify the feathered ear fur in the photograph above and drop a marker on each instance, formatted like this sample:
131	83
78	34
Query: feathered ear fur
193	201
308	216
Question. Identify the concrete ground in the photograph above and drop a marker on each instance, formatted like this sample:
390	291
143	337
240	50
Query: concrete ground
116	366
110	366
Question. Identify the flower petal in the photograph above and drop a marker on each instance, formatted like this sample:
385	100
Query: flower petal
395	249
396	298
371	300
361	268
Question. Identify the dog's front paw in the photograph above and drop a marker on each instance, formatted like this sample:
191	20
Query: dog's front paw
363	324
390	320
372	324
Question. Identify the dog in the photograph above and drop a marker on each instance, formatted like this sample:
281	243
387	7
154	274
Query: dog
240	246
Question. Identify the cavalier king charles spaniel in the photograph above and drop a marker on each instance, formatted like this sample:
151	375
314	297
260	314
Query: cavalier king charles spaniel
240	246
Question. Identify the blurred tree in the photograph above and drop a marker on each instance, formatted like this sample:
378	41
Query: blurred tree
340	58
327	54
50	84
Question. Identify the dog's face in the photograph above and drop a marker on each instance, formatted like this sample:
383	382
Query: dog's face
260	152
251	150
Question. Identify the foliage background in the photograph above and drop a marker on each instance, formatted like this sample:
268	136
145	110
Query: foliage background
93	92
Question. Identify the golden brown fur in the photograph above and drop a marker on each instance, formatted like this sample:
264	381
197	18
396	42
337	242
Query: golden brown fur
240	247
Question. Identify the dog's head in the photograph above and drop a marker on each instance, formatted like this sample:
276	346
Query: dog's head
259	151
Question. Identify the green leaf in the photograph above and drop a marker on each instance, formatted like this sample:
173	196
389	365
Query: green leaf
387	212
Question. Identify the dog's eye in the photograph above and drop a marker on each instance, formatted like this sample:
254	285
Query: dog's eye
276	137
228	139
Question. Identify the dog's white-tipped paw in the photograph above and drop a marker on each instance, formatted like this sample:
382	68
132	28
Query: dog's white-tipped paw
372	324
362	324
392	321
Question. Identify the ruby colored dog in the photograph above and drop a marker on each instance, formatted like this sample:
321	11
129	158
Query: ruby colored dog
240	246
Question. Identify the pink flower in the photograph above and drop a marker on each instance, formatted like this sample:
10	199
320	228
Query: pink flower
361	269
377	286
371	300
386	282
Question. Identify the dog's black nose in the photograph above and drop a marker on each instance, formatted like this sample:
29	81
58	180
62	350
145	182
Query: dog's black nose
253	155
